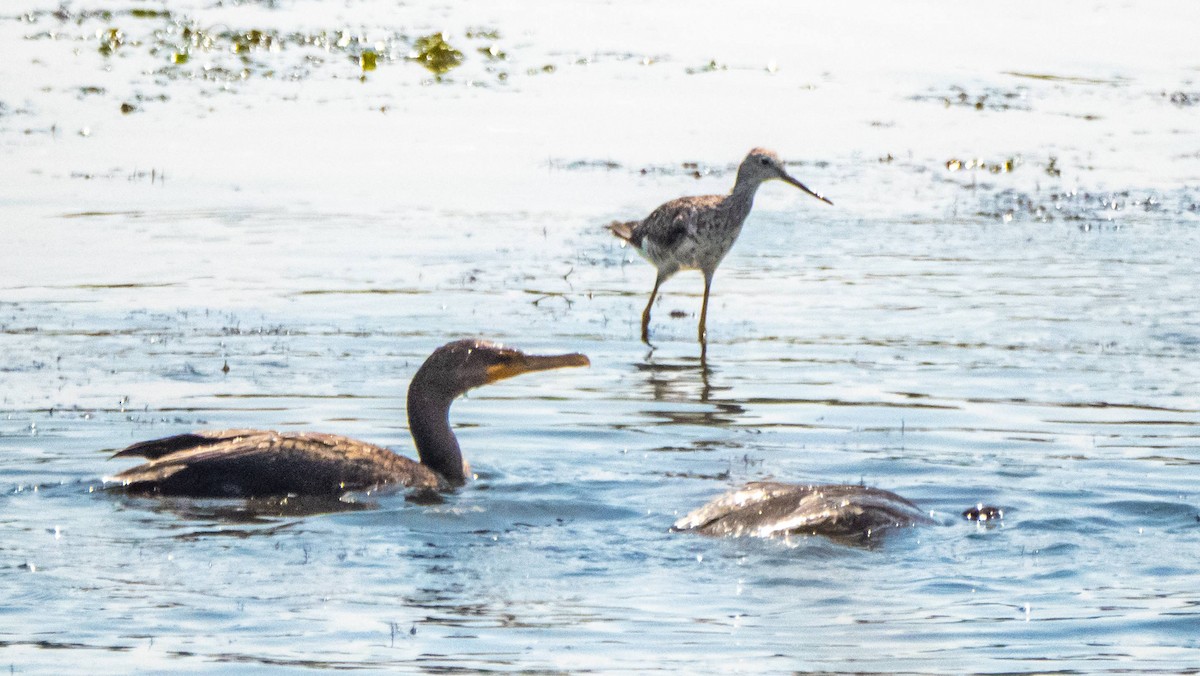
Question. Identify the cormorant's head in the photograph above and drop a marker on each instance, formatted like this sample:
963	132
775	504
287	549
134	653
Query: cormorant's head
461	365
764	165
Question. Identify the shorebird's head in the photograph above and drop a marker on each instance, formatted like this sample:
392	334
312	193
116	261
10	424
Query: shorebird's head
764	165
459	366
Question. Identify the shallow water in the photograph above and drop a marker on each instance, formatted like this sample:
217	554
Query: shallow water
1000	308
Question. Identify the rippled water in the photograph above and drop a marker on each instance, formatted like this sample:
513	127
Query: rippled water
1001	308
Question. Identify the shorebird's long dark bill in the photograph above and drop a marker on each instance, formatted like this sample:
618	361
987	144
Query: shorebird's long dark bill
528	363
803	187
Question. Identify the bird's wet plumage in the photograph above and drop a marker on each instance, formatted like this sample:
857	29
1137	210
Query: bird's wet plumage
248	463
695	233
769	508
255	463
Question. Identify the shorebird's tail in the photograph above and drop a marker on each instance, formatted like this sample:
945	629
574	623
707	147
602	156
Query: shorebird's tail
624	231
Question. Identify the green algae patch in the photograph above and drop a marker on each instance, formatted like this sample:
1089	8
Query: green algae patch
110	41
1072	79
711	67
367	60
437	55
492	53
250	40
1005	166
186	49
149	14
483	34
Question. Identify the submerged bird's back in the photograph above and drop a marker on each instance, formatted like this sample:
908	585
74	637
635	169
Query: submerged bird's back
767	509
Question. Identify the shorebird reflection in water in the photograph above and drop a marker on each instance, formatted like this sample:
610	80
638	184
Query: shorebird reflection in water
695	233
769	508
254	463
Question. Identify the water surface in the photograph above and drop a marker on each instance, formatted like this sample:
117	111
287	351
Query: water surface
1000	308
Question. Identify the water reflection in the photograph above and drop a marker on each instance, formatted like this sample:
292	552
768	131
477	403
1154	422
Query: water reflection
689	382
245	512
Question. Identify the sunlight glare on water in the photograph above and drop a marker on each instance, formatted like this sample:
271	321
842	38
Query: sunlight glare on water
216	218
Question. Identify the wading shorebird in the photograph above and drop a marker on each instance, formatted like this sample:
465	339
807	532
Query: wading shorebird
255	463
695	233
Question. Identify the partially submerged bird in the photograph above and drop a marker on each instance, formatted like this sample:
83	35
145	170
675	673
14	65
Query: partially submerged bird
770	508
695	233
254	463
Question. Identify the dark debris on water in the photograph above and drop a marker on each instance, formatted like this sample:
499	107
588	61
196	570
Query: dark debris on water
1086	206
982	512
1182	99
991	99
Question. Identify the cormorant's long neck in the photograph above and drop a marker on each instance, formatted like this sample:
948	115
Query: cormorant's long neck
429	422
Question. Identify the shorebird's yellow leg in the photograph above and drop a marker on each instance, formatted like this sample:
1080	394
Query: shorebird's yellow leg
646	313
703	333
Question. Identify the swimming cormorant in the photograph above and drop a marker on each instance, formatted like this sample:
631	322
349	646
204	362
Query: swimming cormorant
255	463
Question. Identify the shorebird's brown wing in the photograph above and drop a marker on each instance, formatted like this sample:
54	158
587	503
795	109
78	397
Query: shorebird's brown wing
246	463
667	226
